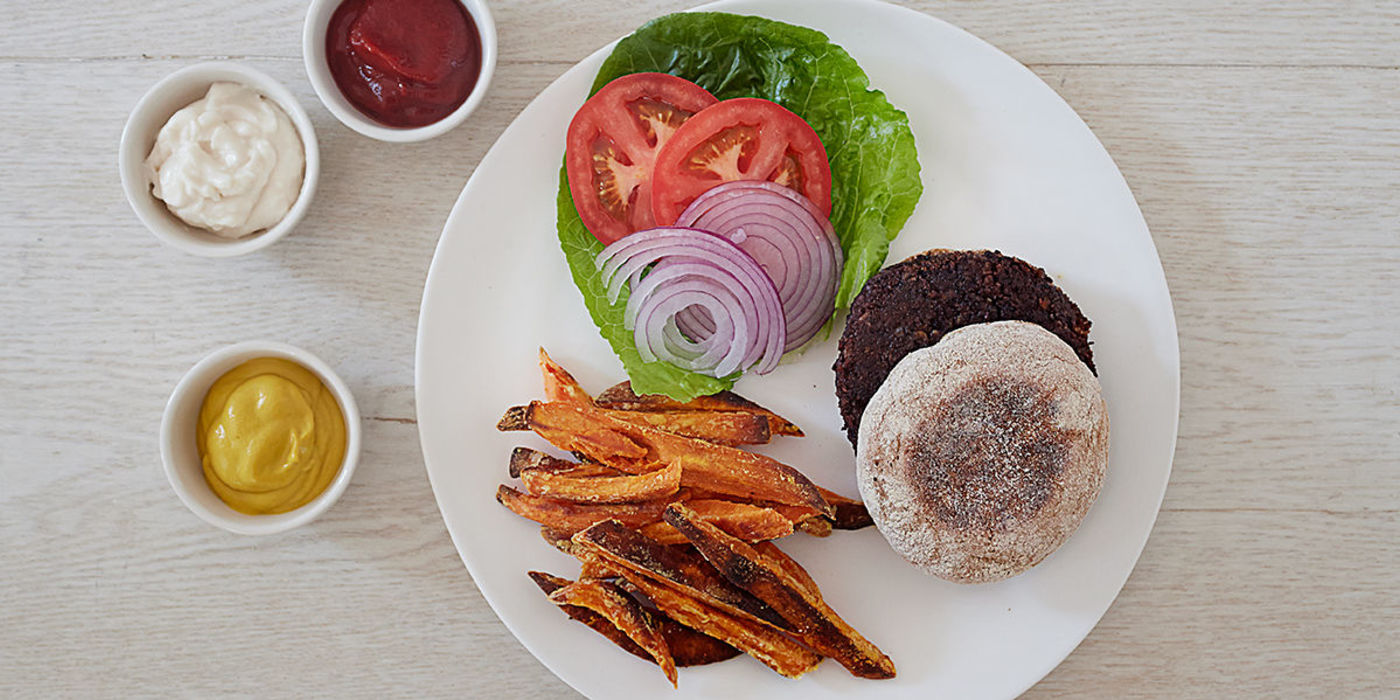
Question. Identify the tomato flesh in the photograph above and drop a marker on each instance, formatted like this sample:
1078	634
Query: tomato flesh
740	139
612	145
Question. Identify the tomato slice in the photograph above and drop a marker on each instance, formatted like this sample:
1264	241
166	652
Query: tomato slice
741	139
613	141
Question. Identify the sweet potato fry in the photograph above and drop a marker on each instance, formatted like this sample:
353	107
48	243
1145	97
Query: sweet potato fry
624	613
721	428
726	470
557	539
809	617
516	418
550	583
609	611
849	514
559	385
816	526
577	470
621	397
627	488
524	458
663	533
687	646
747	522
789	565
725	428
761	641
794	514
602	443
679	567
566	516
592	567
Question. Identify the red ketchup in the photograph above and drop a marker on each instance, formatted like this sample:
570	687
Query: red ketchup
404	63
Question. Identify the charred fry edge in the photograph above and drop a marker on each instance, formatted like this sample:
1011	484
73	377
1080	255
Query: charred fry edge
689	647
682	569
621	396
759	640
618	608
550	583
810	618
848	513
672	581
516	418
816	526
524	458
557	539
789	565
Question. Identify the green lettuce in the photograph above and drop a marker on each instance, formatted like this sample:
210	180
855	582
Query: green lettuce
874	165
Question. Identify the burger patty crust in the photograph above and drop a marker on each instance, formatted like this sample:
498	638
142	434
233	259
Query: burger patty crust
912	304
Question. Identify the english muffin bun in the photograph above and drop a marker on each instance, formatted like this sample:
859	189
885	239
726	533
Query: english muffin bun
980	455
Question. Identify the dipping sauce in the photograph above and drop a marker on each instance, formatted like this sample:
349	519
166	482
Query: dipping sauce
404	63
271	436
231	162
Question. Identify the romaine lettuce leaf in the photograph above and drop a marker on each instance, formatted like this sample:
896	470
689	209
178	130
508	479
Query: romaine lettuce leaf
874	166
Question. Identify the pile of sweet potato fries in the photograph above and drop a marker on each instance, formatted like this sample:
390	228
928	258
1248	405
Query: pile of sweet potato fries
672	525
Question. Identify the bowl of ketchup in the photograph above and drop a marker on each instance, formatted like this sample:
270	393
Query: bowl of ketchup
399	70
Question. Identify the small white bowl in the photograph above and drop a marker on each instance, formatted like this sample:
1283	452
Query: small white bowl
180	453
168	96
313	52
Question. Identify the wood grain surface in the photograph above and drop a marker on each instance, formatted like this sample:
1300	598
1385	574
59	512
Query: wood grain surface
1262	140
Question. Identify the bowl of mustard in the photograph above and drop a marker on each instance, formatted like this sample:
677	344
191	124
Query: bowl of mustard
260	437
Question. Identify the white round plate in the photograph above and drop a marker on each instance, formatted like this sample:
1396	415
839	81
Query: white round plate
1006	165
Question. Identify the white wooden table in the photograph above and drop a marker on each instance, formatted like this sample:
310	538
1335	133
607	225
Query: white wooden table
1261	138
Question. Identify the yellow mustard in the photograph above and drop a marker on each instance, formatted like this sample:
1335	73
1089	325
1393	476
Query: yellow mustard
271	436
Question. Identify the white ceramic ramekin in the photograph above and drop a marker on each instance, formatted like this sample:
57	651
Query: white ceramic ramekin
313	51
168	96
180	454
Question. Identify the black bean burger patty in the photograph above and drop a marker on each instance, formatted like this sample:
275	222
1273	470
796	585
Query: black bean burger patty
911	304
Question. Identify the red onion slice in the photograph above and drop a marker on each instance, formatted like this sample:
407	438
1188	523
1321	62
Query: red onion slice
674	272
789	239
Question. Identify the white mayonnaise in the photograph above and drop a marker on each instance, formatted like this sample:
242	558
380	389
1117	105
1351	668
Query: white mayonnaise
231	163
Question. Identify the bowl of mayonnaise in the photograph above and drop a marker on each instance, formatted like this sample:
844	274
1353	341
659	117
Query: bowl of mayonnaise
218	159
